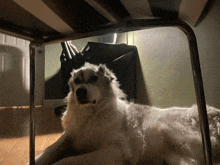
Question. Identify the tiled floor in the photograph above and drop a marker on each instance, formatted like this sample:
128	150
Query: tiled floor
14	131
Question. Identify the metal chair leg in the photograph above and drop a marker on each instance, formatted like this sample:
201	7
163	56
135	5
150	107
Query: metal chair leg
200	96
32	106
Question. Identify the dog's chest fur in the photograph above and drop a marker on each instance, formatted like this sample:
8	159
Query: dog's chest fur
91	130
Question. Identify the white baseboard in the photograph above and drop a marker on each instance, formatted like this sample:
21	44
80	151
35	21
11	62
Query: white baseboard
53	103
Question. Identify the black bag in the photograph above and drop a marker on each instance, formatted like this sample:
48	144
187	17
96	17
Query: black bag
120	58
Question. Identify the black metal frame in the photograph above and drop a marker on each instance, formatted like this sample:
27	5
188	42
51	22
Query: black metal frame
32	105
125	26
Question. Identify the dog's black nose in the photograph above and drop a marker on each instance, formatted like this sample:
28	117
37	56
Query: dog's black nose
81	93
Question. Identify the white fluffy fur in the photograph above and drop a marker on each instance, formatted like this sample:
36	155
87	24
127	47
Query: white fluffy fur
108	130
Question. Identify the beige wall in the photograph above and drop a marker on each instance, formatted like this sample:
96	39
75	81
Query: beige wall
165	63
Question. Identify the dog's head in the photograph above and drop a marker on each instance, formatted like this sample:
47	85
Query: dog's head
91	84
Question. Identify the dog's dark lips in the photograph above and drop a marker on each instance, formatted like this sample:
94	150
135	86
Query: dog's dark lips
83	102
86	102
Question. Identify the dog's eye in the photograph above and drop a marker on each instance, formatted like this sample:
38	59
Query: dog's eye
93	79
77	81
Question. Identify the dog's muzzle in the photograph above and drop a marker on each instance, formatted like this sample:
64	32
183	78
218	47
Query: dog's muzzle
82	96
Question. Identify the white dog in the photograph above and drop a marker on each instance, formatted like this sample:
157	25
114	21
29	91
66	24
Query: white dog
104	129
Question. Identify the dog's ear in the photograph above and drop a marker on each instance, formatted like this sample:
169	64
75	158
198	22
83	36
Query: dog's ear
106	72
101	68
70	82
72	73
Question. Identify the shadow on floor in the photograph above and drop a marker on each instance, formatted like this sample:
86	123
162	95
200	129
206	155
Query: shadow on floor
15	122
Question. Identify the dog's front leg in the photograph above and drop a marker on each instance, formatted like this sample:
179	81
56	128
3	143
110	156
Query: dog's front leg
51	153
106	156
